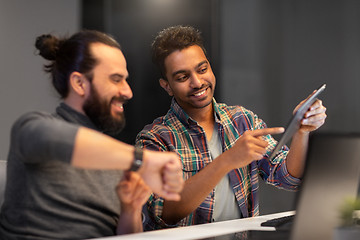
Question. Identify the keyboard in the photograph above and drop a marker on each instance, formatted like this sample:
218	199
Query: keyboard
279	222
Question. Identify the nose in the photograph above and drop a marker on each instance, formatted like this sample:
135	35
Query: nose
125	90
195	81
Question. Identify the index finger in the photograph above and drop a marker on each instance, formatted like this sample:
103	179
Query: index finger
266	131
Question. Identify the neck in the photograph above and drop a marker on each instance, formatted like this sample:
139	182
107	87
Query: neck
202	115
74	104
205	118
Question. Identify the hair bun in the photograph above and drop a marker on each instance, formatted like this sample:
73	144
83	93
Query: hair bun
48	46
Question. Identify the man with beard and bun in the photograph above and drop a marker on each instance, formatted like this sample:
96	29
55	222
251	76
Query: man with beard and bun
66	179
224	149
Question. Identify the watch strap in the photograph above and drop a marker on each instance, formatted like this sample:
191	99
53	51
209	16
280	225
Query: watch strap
138	159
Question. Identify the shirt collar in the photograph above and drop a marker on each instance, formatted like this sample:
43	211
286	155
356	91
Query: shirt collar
185	118
71	115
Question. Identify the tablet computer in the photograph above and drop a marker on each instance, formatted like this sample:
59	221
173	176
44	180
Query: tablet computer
295	121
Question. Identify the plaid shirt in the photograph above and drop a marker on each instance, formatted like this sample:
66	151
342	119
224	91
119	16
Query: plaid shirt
177	132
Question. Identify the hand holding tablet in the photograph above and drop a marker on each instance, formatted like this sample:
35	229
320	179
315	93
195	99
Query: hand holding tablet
295	121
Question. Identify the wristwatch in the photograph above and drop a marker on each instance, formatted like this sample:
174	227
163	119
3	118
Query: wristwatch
138	159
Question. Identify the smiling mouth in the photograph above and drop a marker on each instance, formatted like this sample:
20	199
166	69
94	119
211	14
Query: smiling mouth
199	94
119	106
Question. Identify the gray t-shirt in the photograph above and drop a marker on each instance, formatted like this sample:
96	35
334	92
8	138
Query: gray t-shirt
47	198
225	207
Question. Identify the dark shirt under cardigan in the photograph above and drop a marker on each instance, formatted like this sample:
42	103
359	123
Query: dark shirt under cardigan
47	198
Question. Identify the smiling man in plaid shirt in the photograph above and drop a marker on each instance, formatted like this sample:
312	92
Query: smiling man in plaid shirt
223	148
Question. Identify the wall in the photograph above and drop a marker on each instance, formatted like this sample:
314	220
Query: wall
274	53
279	51
23	84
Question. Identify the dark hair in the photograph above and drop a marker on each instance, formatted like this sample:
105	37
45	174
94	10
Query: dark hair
172	39
72	54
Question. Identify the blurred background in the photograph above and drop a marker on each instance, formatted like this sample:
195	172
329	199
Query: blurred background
267	55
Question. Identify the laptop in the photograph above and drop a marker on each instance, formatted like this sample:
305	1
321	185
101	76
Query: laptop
332	174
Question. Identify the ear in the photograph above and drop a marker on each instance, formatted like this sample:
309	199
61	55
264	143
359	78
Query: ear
165	85
79	83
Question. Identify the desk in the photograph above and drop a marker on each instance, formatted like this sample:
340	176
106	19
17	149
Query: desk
204	230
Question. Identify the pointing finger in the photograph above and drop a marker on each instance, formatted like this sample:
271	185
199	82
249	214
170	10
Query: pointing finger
266	131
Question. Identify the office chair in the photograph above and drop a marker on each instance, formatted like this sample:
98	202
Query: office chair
3	164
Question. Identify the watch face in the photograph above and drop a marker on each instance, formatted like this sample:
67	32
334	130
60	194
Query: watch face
138	162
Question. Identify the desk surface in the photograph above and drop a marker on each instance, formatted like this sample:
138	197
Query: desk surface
204	230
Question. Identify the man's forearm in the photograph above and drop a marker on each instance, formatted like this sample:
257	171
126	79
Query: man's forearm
295	160
129	222
196	189
94	150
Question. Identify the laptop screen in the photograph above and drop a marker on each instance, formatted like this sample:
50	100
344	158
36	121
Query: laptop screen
331	176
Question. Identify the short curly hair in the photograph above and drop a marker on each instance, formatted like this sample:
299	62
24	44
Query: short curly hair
172	39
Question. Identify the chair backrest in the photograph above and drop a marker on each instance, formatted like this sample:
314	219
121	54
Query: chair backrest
3	164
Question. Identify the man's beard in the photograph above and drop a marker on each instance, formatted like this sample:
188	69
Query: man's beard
99	113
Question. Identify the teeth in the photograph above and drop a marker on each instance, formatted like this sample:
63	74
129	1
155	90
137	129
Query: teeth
119	105
200	93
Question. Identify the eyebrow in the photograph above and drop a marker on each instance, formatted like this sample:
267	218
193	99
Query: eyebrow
183	71
119	75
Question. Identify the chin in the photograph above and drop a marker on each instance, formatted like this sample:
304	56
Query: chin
203	105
